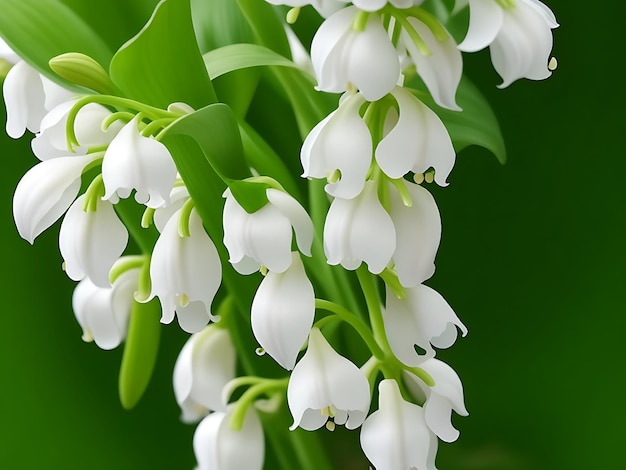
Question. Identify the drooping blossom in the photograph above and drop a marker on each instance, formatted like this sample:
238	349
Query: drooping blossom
396	437
144	164
440	70
282	312
341	146
90	242
344	57
103	312
45	192
325	385
264	237
219	447
422	318
417	141
446	395
519	37
186	273
359	230
204	366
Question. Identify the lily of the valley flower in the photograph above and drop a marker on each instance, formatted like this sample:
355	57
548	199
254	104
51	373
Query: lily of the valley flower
325	385
418	232
519	37
264	238
446	395
344	58
219	447
340	148
28	97
204	366
422	318
441	70
417	142
144	164
103	312
178	196
282	312
90	242
395	437
51	142
359	230
45	192
186	273
374	5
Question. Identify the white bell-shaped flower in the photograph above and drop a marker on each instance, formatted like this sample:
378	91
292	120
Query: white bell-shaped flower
90	242
45	192
344	57
417	141
441	70
264	238
374	5
178	196
186	273
418	232
28	97
519	37
395	437
341	146
440	400
204	366
51	142
144	164
325	385
422	318
359	230
103	312
219	447
324	7
282	312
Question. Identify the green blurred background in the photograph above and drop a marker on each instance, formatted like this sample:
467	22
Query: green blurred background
532	259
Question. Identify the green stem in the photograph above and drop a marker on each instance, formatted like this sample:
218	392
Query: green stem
267	387
372	300
355	322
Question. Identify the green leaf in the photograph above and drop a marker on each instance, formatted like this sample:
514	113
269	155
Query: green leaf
475	125
219	23
266	25
241	56
39	30
140	352
162	63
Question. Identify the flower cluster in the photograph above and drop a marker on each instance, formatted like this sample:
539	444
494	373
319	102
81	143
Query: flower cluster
360	257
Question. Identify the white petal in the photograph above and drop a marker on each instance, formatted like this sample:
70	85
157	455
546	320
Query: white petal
90	242
178	196
343	144
141	163
7	53
297	216
323	378
419	319
369	5
185	270
523	46
358	230
485	22
396	437
418	232
219	447
45	192
442	70
283	310
205	365
24	98
547	14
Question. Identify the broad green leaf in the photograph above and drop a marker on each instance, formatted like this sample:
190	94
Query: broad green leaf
219	23
162	64
266	25
115	20
475	125
140	352
241	56
39	30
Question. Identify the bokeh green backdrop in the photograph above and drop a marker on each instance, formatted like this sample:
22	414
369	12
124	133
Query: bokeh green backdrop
532	259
